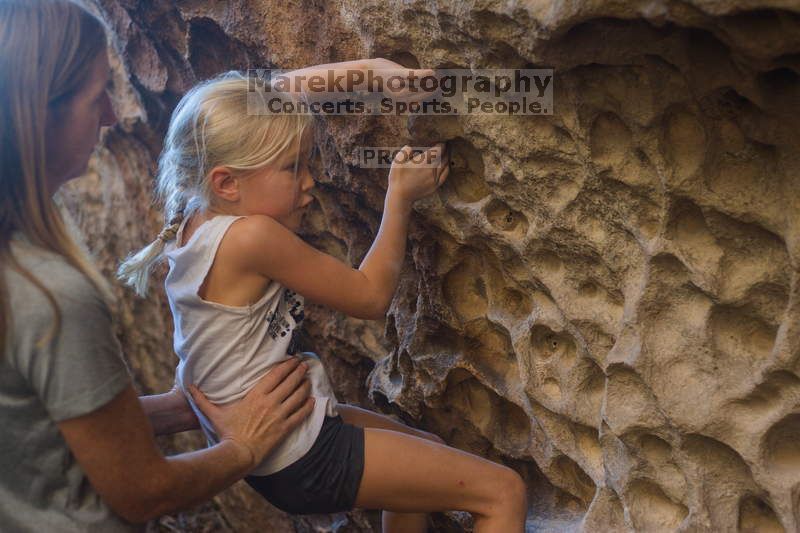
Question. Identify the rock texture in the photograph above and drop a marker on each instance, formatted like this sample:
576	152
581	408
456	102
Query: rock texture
605	299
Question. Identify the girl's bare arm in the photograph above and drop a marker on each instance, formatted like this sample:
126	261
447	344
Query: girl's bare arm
362	293
169	412
366	292
348	76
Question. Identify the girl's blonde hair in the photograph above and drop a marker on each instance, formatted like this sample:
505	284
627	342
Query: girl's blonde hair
212	126
48	48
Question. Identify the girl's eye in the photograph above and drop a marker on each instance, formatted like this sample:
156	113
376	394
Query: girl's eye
300	164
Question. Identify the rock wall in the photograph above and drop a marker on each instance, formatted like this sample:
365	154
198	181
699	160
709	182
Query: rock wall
605	299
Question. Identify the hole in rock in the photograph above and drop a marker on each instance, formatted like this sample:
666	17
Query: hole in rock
695	243
515	302
588	441
504	423
467	171
546	343
768	395
407	59
591	386
465	290
610	139
651	510
780	446
502	217
684	143
739	335
552	389
655	449
212	51
756	516
549	262
489	349
575	480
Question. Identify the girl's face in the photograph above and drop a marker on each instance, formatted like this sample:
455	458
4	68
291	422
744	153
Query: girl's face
73	126
277	191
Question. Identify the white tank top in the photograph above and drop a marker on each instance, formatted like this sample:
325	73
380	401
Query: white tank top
224	349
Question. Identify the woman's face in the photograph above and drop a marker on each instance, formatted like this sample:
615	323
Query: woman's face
73	127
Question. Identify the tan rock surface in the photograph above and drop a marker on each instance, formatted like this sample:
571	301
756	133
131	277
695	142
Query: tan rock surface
605	299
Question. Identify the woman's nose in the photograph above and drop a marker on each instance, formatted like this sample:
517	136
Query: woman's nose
108	117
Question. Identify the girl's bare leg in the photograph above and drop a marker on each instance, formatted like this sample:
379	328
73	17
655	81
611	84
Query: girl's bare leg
403	473
391	522
365	418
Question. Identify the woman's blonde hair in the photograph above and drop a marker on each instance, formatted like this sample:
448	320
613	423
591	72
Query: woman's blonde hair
220	122
47	48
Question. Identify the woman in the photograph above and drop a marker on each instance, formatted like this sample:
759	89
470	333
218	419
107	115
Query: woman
68	410
77	453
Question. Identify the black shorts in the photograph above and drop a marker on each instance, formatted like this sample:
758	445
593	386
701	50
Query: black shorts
325	480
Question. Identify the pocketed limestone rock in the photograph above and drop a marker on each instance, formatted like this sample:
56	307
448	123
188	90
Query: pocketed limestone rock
605	298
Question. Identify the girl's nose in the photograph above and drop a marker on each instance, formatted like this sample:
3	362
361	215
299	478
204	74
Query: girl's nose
308	181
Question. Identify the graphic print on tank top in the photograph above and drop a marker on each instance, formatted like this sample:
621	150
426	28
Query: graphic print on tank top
292	303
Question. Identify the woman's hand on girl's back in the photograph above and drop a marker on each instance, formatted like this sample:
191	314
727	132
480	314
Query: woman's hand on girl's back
414	176
258	422
114	446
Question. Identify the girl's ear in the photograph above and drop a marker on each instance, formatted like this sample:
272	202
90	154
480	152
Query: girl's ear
224	184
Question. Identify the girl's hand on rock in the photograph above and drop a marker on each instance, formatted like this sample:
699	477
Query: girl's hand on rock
415	176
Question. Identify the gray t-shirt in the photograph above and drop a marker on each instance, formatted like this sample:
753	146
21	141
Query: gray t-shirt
42	487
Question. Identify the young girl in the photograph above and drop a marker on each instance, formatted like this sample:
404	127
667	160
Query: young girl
235	187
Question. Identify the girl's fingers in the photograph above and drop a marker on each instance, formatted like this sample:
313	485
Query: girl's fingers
407	153
443	175
419	157
445	161
437	151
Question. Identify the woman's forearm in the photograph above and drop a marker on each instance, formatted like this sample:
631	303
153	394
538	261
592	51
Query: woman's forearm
169	412
115	446
191	478
384	261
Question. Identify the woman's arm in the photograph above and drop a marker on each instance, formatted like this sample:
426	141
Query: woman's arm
365	292
169	412
115	446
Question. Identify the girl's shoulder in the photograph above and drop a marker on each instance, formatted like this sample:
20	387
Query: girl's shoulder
254	234
249	238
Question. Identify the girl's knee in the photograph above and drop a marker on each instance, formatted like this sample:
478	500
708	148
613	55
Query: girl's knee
512	491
